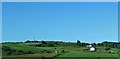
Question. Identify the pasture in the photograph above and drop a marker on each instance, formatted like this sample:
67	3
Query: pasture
28	50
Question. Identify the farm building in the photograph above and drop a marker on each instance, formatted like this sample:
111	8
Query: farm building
92	49
89	46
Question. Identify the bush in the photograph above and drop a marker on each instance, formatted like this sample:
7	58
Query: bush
113	52
48	51
9	53
86	49
51	45
20	52
107	48
38	45
29	52
63	51
7	50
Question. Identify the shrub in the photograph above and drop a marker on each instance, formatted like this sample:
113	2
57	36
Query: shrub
29	52
107	48
113	52
63	51
50	45
48	51
43	42
9	53
86	49
5	48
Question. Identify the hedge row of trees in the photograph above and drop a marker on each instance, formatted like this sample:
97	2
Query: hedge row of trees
105	44
78	43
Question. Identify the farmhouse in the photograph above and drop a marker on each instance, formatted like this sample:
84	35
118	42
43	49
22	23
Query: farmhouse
92	49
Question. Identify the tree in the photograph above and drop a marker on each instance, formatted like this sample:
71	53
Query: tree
98	44
78	43
107	48
51	45
43	42
83	44
56	43
94	44
28	41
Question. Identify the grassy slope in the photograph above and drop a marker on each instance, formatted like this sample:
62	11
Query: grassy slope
37	50
86	54
72	52
22	47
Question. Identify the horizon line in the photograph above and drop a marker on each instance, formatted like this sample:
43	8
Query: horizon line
59	41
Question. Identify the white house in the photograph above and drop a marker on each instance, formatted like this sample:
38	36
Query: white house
89	46
92	49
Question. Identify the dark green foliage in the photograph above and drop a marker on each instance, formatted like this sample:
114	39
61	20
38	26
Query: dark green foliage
107	48
19	52
43	42
5	48
50	45
27	41
47	51
111	44
83	44
63	51
56	43
29	52
45	45
99	44
94	44
78	43
8	51
39	47
86	49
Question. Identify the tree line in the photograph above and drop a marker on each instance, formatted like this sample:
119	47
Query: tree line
78	43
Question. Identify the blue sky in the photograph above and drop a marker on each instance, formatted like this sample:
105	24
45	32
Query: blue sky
68	21
0	22
60	0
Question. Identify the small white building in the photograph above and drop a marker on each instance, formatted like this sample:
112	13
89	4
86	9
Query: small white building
92	49
89	46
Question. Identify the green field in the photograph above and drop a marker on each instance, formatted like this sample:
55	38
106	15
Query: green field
86	54
24	51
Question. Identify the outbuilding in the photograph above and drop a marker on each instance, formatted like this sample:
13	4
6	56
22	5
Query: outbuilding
89	46
92	49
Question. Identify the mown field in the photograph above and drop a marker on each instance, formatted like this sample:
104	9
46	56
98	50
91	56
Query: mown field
26	51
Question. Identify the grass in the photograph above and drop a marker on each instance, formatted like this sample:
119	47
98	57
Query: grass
73	52
86	54
35	55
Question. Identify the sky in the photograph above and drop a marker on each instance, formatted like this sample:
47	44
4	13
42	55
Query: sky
60	0
0	22
60	21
